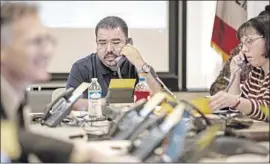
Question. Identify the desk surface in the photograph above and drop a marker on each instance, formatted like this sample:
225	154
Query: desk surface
64	132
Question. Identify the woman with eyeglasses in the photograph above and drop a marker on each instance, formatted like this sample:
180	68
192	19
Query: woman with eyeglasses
221	81
253	97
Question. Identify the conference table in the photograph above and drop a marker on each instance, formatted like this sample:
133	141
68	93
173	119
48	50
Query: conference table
64	131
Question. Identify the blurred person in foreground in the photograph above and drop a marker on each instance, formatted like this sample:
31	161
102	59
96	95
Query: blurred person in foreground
112	41
221	82
253	97
26	49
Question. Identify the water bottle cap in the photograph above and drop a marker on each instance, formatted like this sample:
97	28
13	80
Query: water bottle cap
94	79
141	79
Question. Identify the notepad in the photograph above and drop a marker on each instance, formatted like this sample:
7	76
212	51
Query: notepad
121	91
122	83
202	104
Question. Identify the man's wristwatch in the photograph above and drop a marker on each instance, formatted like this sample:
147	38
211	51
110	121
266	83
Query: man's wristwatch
145	69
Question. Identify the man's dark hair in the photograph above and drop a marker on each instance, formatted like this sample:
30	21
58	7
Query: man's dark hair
261	25
112	22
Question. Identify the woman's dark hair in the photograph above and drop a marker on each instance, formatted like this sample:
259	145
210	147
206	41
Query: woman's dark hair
266	11
261	25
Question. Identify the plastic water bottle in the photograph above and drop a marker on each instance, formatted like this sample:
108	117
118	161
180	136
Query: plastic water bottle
5	158
142	90
94	99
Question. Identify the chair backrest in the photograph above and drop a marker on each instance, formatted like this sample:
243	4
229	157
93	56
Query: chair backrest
57	92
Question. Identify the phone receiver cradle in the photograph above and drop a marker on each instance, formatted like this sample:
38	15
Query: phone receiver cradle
230	146
239	122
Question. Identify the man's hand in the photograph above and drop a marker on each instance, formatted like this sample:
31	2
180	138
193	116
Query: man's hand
133	55
221	100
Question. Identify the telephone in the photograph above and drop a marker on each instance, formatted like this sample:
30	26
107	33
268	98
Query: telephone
245	59
244	63
176	143
181	149
120	59
130	41
57	110
119	118
198	147
116	117
187	149
126	125
143	148
226	110
134	120
153	121
207	141
174	125
228	146
206	144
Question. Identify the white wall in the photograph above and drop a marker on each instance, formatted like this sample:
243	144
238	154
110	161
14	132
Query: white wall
73	24
86	14
255	7
203	63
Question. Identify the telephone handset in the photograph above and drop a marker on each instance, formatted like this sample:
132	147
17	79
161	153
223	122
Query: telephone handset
182	149
56	102
121	58
137	119
57	110
130	41
150	142
198	147
233	74
115	126
245	60
153	121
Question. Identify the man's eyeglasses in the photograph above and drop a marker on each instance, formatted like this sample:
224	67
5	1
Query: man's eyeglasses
249	41
40	40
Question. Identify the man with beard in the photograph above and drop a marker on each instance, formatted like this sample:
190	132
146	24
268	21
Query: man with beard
26	49
112	42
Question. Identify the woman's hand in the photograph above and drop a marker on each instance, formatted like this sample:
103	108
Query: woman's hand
221	100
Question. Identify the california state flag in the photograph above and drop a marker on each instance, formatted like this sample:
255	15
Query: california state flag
229	16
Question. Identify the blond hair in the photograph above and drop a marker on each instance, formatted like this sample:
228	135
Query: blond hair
12	11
